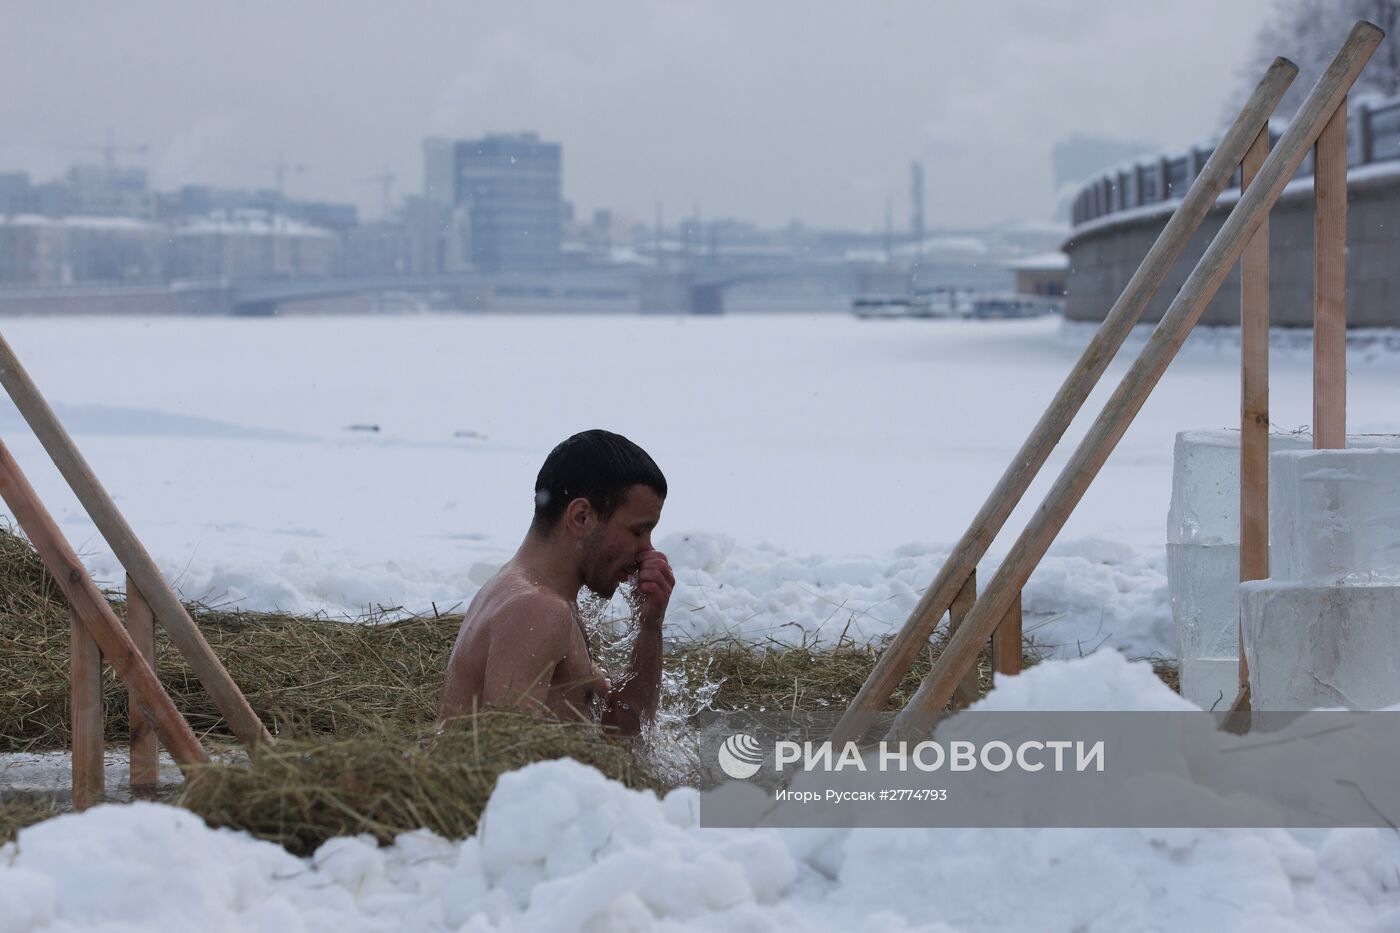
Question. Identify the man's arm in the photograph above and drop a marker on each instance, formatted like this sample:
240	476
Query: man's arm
525	651
636	692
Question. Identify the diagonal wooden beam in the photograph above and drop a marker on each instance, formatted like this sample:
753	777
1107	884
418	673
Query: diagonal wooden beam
1200	287
184	634
1003	499
90	607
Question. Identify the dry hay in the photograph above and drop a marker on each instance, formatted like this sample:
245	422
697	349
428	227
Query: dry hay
353	707
384	780
19	812
330	678
307	670
778	677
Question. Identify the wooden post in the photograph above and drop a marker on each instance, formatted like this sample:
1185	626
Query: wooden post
85	663
1186	308
145	749
1330	284
968	688
1254	404
90	607
1006	640
1024	466
104	513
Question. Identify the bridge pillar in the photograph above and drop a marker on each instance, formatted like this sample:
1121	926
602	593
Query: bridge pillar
707	299
679	293
255	309
665	292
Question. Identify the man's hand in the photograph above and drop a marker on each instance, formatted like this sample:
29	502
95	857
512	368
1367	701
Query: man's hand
602	685
654	584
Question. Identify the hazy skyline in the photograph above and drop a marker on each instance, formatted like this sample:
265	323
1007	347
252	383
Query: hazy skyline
765	112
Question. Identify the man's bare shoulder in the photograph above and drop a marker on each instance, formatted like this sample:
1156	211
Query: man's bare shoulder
518	601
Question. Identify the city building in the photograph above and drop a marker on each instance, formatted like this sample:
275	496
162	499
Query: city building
1045	274
112	249
191	201
508	190
108	191
31	250
46	251
250	244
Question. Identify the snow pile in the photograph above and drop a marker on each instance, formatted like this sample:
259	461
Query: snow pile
561	848
1085	594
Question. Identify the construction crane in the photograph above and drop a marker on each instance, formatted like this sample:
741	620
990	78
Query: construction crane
280	168
110	151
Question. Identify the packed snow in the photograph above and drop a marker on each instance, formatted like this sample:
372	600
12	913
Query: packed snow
820	466
561	848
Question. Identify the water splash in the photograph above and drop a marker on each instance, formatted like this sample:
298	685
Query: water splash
670	741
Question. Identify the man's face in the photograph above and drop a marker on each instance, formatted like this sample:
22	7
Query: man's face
611	550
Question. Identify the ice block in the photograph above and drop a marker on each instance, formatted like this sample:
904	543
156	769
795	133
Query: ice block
1335	515
1313	645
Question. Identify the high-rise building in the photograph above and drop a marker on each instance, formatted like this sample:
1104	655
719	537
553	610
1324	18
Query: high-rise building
511	188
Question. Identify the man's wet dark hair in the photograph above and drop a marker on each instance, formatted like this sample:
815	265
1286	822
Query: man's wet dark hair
597	465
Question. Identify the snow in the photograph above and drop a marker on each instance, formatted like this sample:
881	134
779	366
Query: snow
249	223
1042	262
819	466
561	848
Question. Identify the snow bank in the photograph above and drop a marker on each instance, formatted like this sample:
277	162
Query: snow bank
1086	593
561	848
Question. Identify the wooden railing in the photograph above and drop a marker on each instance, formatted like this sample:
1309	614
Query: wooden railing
1374	138
1320	121
96	632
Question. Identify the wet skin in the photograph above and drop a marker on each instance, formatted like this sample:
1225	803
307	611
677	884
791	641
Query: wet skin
522	644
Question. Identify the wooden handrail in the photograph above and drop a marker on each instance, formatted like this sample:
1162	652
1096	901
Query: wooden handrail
91	609
171	613
1215	175
1200	287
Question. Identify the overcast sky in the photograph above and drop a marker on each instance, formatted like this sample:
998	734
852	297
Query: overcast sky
760	110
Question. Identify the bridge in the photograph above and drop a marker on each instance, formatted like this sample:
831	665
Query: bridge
694	289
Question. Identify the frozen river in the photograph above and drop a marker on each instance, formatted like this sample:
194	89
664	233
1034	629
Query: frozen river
815	449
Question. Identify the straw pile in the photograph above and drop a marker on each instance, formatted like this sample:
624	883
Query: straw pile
325	676
384	780
332	678
17	813
353	708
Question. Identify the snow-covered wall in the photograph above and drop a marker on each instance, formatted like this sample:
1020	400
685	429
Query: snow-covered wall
1105	252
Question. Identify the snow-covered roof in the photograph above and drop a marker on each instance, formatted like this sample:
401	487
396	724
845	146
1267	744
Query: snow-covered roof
249	224
1042	262
29	220
93	222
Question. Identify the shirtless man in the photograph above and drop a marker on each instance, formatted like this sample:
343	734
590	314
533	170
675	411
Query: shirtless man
597	499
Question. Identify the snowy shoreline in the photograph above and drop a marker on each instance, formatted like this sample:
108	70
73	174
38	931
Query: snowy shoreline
560	847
